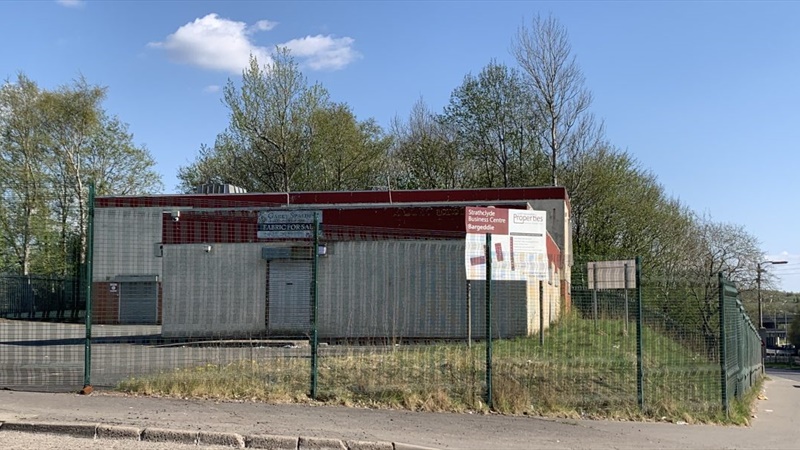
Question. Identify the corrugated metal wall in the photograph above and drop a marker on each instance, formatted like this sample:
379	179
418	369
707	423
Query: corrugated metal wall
367	289
411	289
216	292
124	242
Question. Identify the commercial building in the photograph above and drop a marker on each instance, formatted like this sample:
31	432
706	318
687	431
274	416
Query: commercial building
392	264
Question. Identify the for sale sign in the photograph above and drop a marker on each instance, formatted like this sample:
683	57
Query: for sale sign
291	224
486	220
519	243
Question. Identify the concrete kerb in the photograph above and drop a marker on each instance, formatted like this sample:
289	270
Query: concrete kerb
222	439
81	430
401	446
362	445
200	438
165	435
320	444
118	432
272	442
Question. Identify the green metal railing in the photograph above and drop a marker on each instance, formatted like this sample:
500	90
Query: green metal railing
740	346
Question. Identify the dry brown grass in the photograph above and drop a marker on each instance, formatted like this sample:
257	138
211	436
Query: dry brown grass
568	377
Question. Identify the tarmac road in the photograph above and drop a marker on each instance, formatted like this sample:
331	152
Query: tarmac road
776	426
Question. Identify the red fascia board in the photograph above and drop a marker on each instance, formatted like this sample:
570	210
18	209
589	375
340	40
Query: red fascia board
333	198
240	226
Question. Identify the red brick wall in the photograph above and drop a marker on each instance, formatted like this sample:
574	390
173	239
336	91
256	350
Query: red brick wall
105	303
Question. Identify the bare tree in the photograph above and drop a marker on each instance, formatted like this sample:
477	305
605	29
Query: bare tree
425	153
557	84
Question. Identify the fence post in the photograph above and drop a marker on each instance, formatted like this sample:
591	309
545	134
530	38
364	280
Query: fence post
314	307
87	350
489	321
594	294
626	281
639	350
723	372
469	314
541	313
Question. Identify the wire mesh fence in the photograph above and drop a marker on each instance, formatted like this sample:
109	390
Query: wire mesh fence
254	301
42	298
741	346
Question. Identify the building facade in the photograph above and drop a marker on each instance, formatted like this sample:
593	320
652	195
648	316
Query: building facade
393	265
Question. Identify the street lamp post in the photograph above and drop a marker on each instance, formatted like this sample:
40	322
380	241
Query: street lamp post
759	271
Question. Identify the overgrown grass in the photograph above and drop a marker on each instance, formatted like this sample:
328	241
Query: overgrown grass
582	369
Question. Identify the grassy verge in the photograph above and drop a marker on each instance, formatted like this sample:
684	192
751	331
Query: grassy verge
581	369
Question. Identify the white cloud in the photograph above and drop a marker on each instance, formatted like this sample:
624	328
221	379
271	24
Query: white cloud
323	52
261	25
216	43
213	43
211	89
71	3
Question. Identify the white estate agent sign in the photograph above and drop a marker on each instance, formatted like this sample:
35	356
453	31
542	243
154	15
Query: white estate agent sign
287	224
519	243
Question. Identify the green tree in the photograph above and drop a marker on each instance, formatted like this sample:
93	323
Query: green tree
794	331
270	117
619	209
87	145
23	197
219	163
494	119
286	135
345	154
54	144
117	164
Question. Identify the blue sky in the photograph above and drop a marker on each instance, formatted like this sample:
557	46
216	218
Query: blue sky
704	94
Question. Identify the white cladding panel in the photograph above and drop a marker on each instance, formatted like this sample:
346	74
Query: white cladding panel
559	225
213	289
124	240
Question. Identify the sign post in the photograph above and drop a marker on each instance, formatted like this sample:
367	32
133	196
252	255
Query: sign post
488	248
299	224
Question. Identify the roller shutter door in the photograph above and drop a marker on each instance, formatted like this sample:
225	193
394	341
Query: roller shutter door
289	296
138	302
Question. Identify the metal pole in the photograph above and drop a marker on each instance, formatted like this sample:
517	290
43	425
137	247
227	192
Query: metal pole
87	350
639	349
469	314
723	373
489	321
626	297
541	313
314	308
594	295
758	289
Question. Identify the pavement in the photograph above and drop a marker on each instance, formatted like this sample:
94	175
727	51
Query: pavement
108	417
